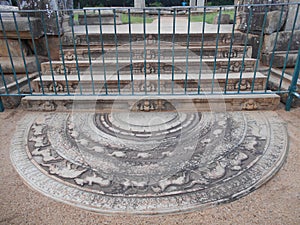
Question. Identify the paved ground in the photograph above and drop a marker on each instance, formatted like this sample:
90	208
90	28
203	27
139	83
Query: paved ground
277	202
166	27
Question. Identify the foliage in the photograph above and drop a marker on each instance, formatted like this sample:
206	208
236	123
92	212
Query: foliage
128	3
156	4
135	19
220	2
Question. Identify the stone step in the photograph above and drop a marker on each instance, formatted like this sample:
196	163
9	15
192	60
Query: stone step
279	59
151	67
92	18
18	64
94	38
11	86
25	31
164	84
138	52
178	103
275	80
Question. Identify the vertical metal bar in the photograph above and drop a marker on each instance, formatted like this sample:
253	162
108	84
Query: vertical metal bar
173	49
48	52
274	48
36	54
1	105
145	51
158	51
288	49
75	52
89	51
230	50
201	50
260	46
245	48
102	51
187	51
62	52
22	52
130	49
4	81
216	52
117	53
293	86
9	54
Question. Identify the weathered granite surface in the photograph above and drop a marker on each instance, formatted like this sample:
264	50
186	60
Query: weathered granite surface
292	17
19	65
123	104
272	14
14	48
225	19
107	18
280	58
282	41
46	13
25	31
148	163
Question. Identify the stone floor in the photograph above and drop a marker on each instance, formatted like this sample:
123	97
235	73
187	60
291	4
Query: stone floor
276	202
166	27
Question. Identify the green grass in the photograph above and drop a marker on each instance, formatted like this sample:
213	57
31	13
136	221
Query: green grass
135	19
209	18
76	17
124	18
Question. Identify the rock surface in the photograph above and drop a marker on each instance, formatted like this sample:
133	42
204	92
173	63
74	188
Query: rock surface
148	163
276	202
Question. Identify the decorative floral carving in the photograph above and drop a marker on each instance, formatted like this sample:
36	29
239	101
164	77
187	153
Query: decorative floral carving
226	54
151	39
61	69
47	106
250	105
150	54
146	105
236	67
244	85
150	87
59	87
150	69
69	56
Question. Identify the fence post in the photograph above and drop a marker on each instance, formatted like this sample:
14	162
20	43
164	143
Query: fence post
1	105
293	87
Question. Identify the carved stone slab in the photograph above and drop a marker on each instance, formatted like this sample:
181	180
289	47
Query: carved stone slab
235	65
180	38
148	163
153	84
152	52
115	103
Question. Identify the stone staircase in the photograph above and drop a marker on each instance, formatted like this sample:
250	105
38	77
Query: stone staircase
125	72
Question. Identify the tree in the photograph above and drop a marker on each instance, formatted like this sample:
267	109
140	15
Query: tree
126	3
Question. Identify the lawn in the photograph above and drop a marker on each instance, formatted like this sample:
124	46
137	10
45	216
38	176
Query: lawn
209	18
135	19
197	18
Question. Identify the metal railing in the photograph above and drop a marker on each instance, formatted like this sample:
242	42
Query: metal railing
156	51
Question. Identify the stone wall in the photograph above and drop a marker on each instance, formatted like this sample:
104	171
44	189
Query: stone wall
47	12
273	23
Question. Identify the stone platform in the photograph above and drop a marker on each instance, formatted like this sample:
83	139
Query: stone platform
148	163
